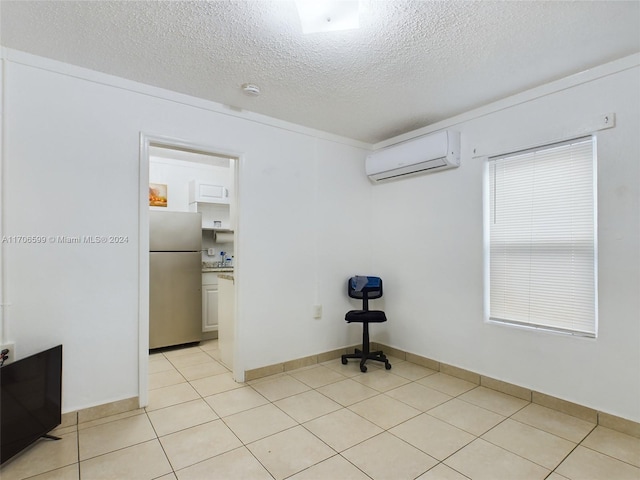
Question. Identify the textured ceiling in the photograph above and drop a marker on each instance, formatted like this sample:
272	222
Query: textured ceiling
411	64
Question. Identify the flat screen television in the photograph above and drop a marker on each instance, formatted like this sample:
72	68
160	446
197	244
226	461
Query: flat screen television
30	400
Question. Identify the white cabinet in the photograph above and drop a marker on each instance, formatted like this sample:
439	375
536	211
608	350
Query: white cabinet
209	302
208	193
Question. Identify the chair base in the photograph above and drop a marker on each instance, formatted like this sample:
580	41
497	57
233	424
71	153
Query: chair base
365	355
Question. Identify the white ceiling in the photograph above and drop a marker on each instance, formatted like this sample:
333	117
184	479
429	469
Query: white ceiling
411	64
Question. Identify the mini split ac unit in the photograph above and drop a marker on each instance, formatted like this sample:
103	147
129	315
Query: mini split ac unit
427	154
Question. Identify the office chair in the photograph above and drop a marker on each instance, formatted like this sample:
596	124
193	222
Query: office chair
365	288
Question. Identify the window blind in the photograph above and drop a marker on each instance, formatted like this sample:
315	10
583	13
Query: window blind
542	238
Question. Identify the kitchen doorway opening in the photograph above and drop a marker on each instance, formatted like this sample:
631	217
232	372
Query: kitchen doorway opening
182	176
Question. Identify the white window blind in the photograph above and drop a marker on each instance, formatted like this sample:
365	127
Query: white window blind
542	238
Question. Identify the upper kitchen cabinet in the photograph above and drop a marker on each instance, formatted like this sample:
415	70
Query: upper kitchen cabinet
205	192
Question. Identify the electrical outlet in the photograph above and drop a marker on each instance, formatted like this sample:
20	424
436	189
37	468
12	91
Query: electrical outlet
317	311
12	352
211	252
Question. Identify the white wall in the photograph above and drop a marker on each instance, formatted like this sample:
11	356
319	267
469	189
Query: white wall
70	167
434	278
308	219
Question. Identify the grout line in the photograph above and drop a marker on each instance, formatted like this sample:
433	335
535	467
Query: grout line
78	443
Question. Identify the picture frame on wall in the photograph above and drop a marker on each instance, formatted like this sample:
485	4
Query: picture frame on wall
157	195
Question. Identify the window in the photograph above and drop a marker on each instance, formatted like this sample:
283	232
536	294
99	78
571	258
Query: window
542	238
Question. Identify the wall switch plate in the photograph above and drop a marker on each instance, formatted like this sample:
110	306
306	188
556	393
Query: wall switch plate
12	351
317	311
211	252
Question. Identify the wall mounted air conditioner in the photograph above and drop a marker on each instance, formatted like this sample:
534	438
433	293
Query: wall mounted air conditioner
427	154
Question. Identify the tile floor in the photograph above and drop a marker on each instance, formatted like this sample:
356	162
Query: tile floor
327	421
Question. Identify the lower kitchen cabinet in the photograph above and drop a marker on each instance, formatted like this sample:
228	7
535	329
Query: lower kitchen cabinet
209	302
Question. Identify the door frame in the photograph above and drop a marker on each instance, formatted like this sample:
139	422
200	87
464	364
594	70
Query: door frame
147	140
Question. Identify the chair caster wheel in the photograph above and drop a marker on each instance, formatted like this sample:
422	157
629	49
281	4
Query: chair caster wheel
387	366
363	369
344	361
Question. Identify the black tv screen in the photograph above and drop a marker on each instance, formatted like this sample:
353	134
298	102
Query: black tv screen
30	400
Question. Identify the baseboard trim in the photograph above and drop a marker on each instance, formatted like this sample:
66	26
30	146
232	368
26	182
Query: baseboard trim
604	419
99	411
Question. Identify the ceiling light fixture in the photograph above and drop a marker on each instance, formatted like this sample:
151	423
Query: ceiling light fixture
328	15
251	89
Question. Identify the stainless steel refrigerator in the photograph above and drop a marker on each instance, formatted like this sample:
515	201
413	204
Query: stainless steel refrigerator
175	278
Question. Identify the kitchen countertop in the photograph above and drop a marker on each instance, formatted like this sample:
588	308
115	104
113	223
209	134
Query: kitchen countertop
217	269
226	277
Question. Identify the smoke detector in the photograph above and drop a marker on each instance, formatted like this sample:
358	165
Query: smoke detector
251	89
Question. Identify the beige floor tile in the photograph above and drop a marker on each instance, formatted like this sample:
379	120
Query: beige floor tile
259	422
480	460
195	444
110	418
442	472
144	461
384	411
159	363
208	345
587	464
115	435
351	369
216	384
531	443
42	456
236	464
418	396
317	376
215	354
447	384
167	396
289	452
307	406
335	467
615	444
201	370
235	401
180	351
178	417
434	437
347	392
556	476
280	387
58	431
194	358
165	378
70	472
468	417
411	371
381	380
342	429
495	401
552	421
168	476
387	457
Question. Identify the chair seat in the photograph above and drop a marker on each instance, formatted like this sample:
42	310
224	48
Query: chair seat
369	316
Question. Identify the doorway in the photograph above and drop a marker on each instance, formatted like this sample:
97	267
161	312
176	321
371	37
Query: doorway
177	175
